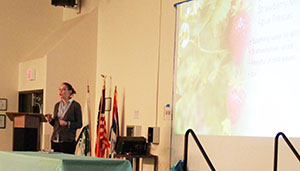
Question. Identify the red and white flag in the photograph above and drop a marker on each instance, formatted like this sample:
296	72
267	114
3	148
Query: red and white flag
102	143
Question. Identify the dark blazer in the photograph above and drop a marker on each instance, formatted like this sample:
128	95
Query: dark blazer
74	116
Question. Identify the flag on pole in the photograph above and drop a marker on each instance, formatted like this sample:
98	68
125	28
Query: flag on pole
102	143
83	147
114	131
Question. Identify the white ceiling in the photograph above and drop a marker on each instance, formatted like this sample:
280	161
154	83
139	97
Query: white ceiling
24	24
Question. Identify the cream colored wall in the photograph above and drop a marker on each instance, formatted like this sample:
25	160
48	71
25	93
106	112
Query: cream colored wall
230	153
128	51
85	7
8	90
39	65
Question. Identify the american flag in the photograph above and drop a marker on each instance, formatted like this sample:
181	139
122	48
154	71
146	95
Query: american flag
102	143
114	131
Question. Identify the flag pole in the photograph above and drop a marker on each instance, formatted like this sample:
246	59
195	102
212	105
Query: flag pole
104	86
107	126
108	115
123	114
89	118
108	112
104	79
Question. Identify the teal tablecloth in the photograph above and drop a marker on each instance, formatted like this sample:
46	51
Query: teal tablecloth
38	161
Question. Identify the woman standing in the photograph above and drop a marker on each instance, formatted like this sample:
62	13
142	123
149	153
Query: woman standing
66	120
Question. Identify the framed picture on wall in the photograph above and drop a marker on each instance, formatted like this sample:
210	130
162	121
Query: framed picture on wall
3	104
2	121
107	103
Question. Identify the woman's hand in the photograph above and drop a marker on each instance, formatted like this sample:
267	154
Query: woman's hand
49	117
62	123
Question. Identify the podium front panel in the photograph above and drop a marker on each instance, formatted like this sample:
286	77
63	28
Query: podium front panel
24	121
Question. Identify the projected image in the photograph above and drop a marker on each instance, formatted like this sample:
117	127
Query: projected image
237	65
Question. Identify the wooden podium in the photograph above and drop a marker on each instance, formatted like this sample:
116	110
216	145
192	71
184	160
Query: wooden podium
27	130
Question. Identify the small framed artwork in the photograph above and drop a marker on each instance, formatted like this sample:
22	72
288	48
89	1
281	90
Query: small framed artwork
107	103
2	121
3	104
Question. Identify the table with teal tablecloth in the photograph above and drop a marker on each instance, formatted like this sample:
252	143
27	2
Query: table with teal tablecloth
35	161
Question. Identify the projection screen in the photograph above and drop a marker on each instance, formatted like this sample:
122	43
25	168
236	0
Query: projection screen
236	68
